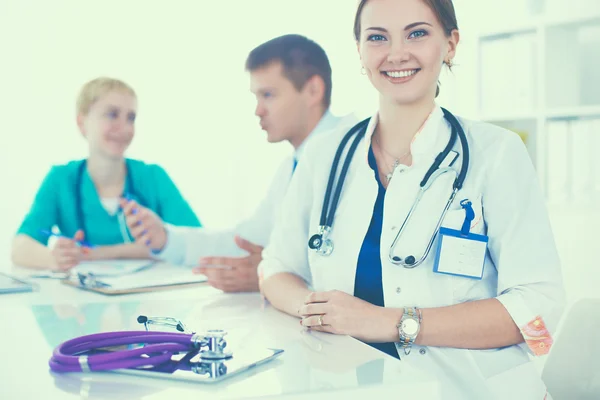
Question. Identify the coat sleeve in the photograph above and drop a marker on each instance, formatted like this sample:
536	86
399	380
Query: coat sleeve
521	245
287	248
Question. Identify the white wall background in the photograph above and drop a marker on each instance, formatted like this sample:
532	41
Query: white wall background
185	58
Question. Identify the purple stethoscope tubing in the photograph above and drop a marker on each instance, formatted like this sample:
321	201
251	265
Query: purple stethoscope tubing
158	349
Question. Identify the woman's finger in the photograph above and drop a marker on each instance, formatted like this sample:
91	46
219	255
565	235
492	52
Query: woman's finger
137	231
317	297
313	309
145	238
64	243
324	328
130	207
71	252
65	263
315	320
131	221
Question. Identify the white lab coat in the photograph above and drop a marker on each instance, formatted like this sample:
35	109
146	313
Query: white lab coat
185	245
522	268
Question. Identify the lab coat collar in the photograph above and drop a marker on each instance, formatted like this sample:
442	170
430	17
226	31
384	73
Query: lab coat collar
423	142
328	122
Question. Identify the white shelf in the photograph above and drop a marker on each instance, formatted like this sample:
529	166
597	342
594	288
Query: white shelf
538	77
537	23
500	32
526	116
574	112
571	21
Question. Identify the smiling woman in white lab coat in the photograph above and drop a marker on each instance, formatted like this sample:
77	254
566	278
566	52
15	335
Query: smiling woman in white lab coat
475	318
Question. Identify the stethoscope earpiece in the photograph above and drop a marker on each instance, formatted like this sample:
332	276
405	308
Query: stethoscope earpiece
410	260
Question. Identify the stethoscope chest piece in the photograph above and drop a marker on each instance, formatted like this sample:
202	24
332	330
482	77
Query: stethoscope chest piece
320	243
213	340
211	344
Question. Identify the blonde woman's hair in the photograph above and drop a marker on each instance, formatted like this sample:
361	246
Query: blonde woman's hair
94	89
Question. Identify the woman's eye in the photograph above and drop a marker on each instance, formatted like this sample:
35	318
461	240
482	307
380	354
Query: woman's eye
112	114
375	38
417	34
131	117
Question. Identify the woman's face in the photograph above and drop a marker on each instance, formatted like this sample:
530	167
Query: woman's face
402	47
109	126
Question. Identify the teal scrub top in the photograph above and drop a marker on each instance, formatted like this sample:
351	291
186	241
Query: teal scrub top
55	203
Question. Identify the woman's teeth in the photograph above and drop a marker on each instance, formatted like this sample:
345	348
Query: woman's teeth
401	74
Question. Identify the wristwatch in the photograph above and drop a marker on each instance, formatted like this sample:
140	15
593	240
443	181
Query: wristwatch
409	327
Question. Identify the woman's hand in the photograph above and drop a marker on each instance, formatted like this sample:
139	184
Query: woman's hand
144	225
67	253
340	313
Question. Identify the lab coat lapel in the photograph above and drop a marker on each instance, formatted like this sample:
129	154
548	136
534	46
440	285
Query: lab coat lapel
399	282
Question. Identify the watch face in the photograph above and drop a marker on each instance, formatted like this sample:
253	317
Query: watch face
410	327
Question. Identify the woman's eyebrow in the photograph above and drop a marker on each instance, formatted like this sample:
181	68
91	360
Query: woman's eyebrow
407	27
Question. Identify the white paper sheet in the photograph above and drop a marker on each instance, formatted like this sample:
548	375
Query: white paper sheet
108	268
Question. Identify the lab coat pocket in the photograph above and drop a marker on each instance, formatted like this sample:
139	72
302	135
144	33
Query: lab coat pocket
465	288
456	214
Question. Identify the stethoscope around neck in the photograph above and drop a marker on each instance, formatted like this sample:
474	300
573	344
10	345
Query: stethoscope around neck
79	202
321	241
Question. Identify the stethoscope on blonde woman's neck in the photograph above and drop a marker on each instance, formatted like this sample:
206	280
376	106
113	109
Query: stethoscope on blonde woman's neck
120	216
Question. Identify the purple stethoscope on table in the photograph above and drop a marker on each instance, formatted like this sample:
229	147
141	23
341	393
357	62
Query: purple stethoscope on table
89	353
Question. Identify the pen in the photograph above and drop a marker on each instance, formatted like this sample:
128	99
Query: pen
79	242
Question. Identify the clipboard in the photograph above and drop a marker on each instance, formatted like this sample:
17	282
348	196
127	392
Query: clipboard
12	284
155	276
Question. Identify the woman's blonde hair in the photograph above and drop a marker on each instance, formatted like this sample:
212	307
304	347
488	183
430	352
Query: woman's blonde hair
94	89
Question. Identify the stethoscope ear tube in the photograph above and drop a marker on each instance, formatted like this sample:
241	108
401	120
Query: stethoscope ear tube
81	224
342	178
458	130
159	348
411	261
333	171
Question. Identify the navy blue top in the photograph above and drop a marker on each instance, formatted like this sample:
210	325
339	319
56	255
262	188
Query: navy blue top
368	283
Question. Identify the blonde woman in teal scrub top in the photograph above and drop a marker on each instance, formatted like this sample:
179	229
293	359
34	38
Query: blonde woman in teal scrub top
83	198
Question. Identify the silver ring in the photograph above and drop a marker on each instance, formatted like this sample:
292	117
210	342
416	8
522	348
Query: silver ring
320	320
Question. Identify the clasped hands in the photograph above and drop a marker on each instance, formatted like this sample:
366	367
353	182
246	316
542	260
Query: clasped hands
343	314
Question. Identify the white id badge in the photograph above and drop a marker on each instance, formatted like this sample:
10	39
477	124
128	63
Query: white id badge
460	255
460	252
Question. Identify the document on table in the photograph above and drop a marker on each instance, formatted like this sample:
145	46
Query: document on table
111	268
160	274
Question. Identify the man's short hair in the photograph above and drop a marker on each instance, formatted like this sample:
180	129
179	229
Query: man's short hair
300	57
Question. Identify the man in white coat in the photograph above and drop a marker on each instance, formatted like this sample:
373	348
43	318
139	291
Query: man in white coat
291	79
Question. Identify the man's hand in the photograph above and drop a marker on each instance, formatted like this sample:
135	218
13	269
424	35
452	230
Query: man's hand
233	274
